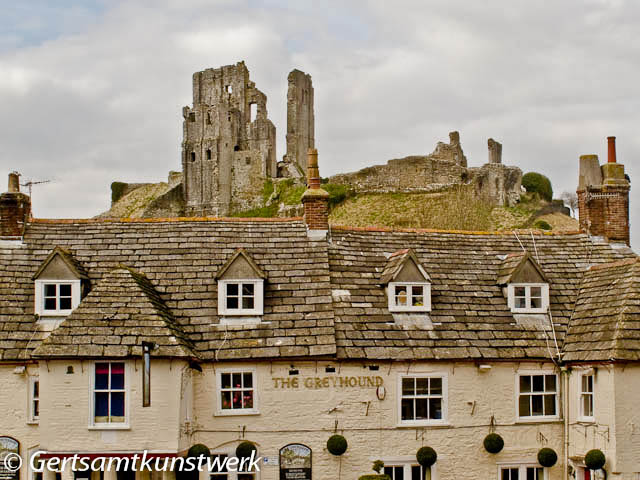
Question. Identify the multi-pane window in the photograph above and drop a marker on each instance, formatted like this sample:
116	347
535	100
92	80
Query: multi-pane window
529	298
408	297
242	297
422	399
237	392
404	472
521	473
537	396
56	298
586	396
109	393
34	399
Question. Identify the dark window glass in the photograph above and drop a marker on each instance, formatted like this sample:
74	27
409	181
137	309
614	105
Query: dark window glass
524	409
247	399
248	380
536	405
49	290
422	386
435	408
117	376
50	303
549	404
102	404
65	303
65	290
416	472
247	303
226	400
538	383
422	408
436	386
550	383
408	386
232	302
117	404
225	380
102	376
232	289
525	383
407	409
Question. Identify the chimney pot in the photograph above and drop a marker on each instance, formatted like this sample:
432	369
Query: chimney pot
612	149
14	182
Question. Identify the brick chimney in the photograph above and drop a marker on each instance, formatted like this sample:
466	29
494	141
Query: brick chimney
315	200
603	197
15	209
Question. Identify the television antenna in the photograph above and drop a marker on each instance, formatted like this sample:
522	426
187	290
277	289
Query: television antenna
29	184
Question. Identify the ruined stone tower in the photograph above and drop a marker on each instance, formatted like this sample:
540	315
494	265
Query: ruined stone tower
300	124
229	144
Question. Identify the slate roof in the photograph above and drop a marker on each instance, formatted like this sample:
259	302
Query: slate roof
68	258
180	258
121	312
606	322
470	316
512	264
323	299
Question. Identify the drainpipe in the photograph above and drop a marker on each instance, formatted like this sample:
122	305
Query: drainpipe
565	407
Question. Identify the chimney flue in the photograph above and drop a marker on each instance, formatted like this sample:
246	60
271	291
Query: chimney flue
315	200
14	182
612	149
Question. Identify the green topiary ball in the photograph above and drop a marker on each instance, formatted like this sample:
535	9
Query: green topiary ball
547	457
199	449
245	449
595	459
337	445
493	443
426	456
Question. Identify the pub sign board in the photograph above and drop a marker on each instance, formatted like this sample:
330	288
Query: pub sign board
9	448
295	462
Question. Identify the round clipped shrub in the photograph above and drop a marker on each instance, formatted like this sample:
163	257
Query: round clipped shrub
199	449
595	459
337	445
547	457
542	225
245	449
536	182
493	443
426	456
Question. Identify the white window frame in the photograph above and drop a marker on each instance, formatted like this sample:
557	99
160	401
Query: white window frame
32	417
39	297
582	417
536	418
407	462
391	295
93	425
411	423
230	475
544	301
522	469
258	298
237	411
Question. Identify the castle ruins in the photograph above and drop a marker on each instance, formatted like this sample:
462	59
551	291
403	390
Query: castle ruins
229	155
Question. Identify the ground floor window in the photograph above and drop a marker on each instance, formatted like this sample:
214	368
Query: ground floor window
406	470
521	472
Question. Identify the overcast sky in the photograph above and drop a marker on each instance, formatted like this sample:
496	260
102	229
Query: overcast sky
91	91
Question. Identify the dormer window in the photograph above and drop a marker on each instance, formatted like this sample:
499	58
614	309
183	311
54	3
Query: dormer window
407	283
528	298
241	287
241	297
409	297
59	284
524	283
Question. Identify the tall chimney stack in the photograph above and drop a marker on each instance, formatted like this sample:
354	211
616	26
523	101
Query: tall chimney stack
15	209
315	200
603	197
611	141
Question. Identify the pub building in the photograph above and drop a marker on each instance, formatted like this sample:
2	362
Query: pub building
509	355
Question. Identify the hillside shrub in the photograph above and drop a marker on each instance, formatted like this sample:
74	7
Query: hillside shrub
536	182
542	225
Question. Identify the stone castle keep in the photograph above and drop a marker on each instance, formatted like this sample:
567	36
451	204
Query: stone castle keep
229	155
229	143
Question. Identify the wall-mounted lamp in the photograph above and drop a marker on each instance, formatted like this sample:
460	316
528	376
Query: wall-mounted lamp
484	367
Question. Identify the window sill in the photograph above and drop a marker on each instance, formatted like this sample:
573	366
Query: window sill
538	420
33	422
529	310
438	424
52	315
586	420
107	426
235	413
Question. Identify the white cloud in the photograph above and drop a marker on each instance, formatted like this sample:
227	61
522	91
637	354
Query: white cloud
99	98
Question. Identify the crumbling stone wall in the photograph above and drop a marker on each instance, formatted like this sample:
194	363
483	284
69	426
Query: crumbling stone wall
228	121
300	124
442	169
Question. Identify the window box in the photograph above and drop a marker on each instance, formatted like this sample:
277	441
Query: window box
109	396
409	297
55	298
528	297
422	399
240	297
236	392
537	396
586	398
